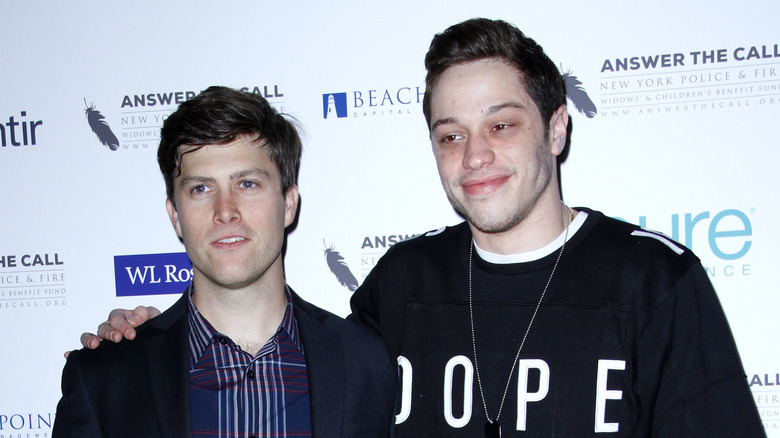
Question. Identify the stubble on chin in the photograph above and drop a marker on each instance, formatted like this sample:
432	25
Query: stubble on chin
496	223
489	222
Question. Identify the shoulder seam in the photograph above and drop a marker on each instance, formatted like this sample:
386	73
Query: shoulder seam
435	232
661	238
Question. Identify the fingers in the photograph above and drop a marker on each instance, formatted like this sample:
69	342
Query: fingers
121	323
88	340
141	314
117	326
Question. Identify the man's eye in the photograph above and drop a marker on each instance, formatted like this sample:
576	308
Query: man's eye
501	126
450	138
248	184
199	189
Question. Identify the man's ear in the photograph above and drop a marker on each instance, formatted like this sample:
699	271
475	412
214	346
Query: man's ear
174	216
559	124
290	205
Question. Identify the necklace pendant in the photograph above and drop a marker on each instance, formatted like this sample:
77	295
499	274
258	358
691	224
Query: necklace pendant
492	430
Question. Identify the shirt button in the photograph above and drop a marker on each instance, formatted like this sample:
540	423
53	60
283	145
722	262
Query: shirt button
250	374
223	340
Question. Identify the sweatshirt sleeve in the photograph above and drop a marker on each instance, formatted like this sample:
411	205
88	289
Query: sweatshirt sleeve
364	303
690	378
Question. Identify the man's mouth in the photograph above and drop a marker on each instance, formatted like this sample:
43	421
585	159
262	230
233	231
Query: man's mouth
484	186
231	240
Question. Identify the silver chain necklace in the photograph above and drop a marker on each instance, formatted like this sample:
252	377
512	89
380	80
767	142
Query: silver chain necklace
492	427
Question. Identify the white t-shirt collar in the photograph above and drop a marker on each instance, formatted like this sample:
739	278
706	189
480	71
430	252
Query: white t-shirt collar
537	254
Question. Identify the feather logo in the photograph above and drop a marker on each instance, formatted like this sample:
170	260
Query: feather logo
100	127
577	94
339	268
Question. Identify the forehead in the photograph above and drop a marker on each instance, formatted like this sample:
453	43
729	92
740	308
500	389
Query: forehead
242	153
247	144
477	86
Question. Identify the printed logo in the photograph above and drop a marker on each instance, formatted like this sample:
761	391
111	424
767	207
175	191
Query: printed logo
340	269
334	105
578	96
32	281
700	81
19	132
152	274
100	127
365	255
372	103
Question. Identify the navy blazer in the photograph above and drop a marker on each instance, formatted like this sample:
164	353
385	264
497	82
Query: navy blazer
141	387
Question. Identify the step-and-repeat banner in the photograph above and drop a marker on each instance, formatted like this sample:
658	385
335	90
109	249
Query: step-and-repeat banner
684	96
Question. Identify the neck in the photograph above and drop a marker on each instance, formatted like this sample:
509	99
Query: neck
543	224
249	316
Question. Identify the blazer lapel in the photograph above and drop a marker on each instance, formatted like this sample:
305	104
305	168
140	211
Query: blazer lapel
324	359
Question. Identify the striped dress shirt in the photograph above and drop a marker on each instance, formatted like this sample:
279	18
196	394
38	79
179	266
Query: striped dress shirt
235	394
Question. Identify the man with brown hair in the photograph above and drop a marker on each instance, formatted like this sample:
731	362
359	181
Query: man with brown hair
240	354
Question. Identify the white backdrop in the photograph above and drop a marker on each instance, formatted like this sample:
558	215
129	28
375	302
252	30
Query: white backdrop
685	146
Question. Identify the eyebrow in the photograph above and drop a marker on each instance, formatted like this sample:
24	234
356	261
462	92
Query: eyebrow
250	172
496	108
491	110
447	121
187	180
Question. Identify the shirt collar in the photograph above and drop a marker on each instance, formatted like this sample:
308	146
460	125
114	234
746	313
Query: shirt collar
202	332
538	254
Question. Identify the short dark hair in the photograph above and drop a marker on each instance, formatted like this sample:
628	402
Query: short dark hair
220	115
481	38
